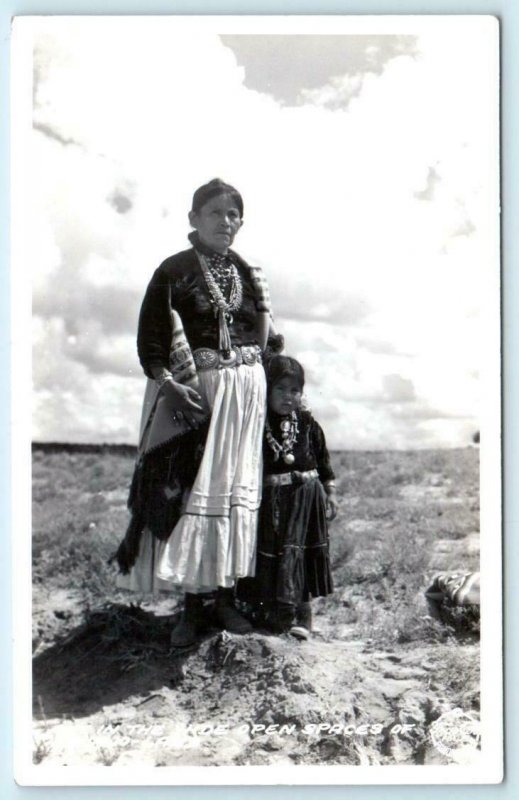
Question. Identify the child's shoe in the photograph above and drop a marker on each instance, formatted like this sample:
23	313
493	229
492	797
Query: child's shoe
283	618
302	627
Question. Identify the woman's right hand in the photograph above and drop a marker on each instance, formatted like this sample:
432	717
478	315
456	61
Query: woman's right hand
184	402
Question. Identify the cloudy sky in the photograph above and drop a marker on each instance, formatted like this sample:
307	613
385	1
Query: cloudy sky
367	165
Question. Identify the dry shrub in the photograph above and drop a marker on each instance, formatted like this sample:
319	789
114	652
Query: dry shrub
395	507
75	528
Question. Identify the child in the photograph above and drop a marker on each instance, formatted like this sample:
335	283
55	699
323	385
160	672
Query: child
292	561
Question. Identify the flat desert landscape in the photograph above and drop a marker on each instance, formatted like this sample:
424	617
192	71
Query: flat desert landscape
365	689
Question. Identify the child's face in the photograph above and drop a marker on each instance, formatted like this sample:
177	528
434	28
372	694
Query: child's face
285	395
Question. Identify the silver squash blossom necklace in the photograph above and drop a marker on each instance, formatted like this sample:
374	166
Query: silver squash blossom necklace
222	308
289	431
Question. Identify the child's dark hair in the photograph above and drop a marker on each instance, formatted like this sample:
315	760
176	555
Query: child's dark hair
279	367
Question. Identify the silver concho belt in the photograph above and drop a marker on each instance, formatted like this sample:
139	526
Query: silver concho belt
206	358
286	478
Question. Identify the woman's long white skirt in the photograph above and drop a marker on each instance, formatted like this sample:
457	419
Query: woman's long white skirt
214	542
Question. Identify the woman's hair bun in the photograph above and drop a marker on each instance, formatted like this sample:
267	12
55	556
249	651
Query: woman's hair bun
212	189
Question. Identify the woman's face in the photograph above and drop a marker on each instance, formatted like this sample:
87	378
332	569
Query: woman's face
217	222
285	395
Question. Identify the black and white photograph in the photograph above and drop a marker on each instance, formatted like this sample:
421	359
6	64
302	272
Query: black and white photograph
256	262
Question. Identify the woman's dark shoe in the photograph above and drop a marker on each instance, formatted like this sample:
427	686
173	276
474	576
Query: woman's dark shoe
302	626
227	616
192	621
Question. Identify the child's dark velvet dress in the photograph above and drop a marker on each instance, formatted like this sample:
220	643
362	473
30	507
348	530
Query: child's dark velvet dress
292	561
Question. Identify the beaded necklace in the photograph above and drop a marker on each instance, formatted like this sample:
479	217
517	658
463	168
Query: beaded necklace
289	431
222	307
222	270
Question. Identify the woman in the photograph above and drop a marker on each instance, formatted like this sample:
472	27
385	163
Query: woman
196	488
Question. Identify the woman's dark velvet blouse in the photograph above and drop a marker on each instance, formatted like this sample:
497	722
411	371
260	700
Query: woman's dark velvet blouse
309	450
179	280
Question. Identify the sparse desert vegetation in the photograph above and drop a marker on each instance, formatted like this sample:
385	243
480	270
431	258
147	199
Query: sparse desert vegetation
104	672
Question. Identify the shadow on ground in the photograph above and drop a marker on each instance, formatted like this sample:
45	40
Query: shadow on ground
118	651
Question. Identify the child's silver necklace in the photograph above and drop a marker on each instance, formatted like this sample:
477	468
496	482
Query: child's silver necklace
289	431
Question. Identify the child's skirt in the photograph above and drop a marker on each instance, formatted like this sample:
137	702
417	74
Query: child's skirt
292	560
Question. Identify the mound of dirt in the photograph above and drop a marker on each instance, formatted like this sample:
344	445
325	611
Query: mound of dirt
113	691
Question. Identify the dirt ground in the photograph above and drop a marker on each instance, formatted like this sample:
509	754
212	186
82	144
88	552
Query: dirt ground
366	689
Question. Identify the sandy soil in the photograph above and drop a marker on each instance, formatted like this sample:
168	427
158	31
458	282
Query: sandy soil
113	692
108	689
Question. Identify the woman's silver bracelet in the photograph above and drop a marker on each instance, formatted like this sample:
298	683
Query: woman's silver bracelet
163	378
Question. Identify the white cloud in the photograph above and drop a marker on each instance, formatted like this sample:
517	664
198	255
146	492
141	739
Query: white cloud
367	279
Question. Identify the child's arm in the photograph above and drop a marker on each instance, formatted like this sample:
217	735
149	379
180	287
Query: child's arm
324	468
332	505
